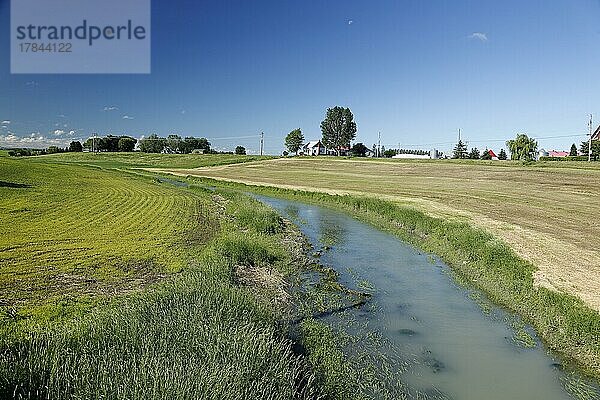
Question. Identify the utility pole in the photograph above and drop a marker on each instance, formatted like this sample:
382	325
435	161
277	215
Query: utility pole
262	136
379	146
590	143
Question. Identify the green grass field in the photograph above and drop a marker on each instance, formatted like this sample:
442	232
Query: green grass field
115	285
71	229
547	212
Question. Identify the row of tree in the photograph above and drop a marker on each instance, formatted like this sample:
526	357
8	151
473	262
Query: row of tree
461	152
110	143
174	144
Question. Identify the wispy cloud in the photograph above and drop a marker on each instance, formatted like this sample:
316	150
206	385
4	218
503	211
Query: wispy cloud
127	117
31	84
5	122
111	108
350	21
482	37
58	132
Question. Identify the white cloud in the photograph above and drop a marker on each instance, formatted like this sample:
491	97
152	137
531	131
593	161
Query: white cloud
72	132
127	117
482	37
34	139
111	108
350	22
58	132
5	122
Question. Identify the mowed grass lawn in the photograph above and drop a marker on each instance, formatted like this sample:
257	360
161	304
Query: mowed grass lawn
547	212
71	230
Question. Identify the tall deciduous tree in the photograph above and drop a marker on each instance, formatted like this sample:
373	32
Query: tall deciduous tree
338	128
75	146
152	144
522	148
294	140
126	143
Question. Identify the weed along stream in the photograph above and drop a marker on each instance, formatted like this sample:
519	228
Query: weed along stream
424	334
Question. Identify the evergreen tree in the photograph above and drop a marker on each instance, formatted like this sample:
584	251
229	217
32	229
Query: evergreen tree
573	152
502	155
474	154
460	150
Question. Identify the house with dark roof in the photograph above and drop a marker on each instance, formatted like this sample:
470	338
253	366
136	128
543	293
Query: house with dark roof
596	135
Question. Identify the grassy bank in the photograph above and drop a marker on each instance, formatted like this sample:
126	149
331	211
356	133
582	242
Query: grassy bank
544	211
564	322
207	325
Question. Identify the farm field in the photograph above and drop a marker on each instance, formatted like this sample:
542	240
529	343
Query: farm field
547	212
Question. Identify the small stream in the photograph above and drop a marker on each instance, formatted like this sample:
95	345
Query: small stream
440	339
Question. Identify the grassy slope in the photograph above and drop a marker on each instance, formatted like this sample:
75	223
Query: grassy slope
546	212
71	229
139	160
195	334
564	322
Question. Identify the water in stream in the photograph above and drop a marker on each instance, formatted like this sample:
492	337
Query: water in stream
442	342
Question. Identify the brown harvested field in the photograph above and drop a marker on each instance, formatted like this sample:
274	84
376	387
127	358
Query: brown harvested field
548	213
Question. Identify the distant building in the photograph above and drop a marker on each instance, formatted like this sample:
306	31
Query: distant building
554	153
412	156
314	148
494	156
542	153
596	135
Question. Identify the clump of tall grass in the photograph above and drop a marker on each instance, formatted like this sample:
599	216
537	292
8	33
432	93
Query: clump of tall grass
199	336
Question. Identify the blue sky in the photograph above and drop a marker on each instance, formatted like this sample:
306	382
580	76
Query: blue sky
415	71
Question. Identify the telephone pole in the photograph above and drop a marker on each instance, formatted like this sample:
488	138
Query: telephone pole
262	137
590	142
379	146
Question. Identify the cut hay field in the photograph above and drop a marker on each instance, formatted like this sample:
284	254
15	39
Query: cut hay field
70	230
547	212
